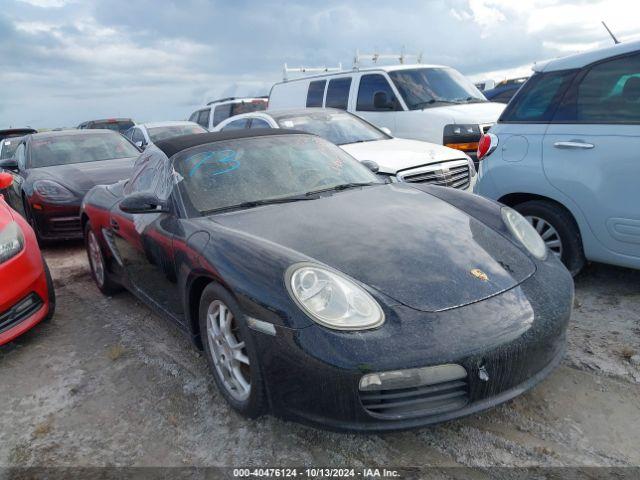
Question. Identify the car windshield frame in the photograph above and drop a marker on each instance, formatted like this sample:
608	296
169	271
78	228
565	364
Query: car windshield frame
432	82
35	161
288	120
121	126
153	131
264	183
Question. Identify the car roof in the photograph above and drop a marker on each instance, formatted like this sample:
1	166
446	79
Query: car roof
175	123
108	120
174	145
583	59
375	68
72	131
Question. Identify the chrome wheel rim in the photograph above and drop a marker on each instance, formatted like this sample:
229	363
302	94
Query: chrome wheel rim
548	233
95	258
228	351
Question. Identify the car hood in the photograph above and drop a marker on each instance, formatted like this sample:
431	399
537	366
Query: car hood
81	177
472	113
400	241
398	154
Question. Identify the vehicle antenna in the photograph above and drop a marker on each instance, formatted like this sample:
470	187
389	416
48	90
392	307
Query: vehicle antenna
615	40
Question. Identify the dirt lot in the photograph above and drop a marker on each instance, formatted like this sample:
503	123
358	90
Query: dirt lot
106	382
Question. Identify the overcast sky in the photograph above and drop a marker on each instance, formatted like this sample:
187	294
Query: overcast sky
66	61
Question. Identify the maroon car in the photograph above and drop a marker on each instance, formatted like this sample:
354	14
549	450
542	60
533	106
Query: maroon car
52	171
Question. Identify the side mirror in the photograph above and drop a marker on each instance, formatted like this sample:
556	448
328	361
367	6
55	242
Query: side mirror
371	165
9	164
381	101
140	145
386	130
5	180
143	203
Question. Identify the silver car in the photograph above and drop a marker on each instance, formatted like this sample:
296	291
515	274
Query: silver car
566	154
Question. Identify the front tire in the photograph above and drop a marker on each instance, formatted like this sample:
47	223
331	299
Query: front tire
559	231
230	351
97	263
51	292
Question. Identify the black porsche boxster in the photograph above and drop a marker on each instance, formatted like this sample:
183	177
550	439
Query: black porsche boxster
323	294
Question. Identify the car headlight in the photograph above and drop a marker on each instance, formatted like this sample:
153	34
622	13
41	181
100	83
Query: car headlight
52	191
332	299
524	232
11	241
461	137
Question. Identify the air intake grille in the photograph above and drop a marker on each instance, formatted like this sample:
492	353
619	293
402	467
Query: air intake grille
451	393
447	174
66	225
20	311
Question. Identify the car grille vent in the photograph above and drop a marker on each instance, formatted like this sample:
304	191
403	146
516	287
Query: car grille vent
66	225
417	401
20	311
447	174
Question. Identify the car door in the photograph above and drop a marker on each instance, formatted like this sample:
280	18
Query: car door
144	242
591	150
381	112
13	194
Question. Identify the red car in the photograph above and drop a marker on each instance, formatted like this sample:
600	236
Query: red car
26	289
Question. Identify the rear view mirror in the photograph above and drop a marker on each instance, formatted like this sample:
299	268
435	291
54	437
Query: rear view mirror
371	165
5	180
9	164
143	203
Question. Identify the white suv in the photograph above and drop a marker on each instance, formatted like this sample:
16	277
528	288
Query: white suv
218	110
433	103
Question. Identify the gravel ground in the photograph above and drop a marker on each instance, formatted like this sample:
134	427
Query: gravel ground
106	382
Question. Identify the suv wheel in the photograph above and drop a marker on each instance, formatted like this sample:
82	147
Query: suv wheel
558	229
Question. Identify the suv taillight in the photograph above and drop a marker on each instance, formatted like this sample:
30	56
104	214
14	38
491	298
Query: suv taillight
487	144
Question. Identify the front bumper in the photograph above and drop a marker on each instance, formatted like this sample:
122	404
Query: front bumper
58	221
24	296
516	338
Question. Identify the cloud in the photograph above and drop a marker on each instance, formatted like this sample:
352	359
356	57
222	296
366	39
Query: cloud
66	61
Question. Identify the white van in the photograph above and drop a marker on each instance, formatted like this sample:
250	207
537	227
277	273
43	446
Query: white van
424	102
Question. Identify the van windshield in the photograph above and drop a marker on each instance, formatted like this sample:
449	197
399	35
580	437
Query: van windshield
432	87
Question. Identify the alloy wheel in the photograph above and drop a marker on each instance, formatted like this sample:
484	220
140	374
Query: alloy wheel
548	233
228	350
95	257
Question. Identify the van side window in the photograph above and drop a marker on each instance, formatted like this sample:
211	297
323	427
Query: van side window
375	94
315	93
338	93
537	100
221	112
203	118
609	92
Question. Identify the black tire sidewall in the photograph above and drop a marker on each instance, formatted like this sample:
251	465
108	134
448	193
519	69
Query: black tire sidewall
564	223
50	291
109	287
255	405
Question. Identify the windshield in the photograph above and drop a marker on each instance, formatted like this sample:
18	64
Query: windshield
161	133
79	148
224	174
431	87
9	146
339	128
119	126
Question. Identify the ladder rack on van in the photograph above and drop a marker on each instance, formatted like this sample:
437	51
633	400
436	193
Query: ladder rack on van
286	70
375	57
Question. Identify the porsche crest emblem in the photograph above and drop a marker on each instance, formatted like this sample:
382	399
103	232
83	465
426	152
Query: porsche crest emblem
479	274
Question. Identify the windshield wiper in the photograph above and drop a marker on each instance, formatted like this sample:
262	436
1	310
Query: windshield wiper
342	186
429	102
257	203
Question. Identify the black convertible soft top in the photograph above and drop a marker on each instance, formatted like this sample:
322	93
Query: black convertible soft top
173	145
